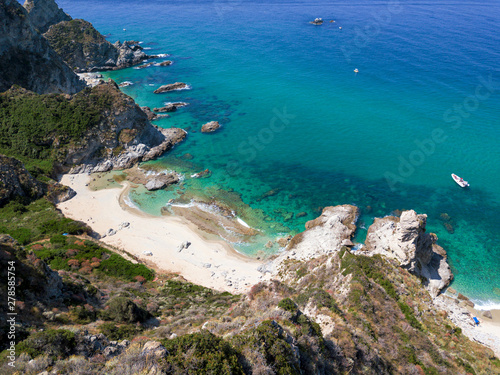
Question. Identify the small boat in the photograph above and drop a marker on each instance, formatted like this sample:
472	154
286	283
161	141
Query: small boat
459	180
356	70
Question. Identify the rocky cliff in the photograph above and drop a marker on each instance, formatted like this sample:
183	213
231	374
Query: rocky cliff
123	136
26	58
15	180
84	49
99	129
405	240
44	13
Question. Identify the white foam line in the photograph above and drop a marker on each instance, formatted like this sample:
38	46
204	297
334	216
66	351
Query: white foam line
486	305
242	222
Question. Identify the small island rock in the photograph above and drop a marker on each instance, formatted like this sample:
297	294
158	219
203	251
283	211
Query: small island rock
210	127
162	181
171	87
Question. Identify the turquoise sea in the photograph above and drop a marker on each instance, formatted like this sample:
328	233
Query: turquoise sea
302	130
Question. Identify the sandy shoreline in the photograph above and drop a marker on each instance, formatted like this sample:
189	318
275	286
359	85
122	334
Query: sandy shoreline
213	264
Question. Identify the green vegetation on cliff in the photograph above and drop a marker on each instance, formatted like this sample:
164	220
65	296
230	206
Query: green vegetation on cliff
41	126
80	44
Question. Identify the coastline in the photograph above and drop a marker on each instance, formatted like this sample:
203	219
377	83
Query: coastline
210	263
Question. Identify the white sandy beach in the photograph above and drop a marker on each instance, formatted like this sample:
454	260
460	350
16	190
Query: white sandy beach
213	264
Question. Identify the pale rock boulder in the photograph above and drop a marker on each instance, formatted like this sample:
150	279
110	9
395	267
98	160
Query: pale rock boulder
323	235
406	240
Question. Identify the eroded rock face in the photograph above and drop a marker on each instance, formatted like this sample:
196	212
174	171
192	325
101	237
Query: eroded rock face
15	180
44	13
26	58
405	240
123	137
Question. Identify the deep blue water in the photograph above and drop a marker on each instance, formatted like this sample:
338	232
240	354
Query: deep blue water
297	119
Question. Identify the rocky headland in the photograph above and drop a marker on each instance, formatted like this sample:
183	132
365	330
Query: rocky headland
84	49
406	240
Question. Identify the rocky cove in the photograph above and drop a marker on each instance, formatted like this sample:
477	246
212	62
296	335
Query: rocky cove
320	281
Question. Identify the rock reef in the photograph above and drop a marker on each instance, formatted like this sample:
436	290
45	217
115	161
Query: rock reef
171	87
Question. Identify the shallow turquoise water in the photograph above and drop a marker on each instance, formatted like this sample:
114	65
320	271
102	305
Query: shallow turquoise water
297	119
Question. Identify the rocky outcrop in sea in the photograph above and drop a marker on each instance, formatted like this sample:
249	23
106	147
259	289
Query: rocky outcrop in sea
403	239
26	57
210	127
406	240
84	49
171	87
123	138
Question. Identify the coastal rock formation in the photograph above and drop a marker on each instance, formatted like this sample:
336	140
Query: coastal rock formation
171	87
210	127
44	13
85	49
323	235
15	180
122	137
26	58
151	115
171	107
165	63
405	240
162	181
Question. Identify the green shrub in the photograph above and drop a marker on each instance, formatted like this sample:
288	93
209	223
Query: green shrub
58	239
201	353
55	343
22	235
119	267
122	332
123	309
288	305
